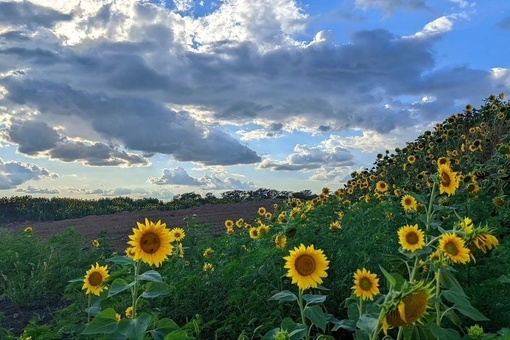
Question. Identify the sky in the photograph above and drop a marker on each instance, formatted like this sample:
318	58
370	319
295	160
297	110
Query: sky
157	98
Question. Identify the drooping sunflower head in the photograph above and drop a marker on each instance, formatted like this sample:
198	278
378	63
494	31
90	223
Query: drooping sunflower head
381	186
448	180
129	312
94	280
411	238
208	252
366	284
306	266
482	239
409	307
151	242
178	234
409	203
28	231
453	247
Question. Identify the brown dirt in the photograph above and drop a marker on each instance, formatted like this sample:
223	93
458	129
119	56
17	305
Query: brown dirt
118	226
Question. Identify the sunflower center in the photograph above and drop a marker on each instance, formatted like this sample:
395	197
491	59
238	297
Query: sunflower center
451	248
305	265
177	234
445	179
408	201
95	279
150	243
412	238
365	284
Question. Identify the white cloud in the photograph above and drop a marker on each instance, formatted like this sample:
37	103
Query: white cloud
180	177
37	190
436	27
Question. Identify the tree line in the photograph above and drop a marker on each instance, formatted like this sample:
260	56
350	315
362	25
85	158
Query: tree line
27	208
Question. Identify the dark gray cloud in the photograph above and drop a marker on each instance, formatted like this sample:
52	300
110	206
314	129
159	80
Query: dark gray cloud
389	6
32	137
29	15
14	173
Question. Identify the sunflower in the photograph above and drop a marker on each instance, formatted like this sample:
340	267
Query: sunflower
229	224
443	161
263	229
268	215
448	180
409	203
181	250
335	225
280	241
467	225
261	211
411	159
94	279
130	252
366	284
306	266
95	243
178	234
254	233
240	223
28	231
452	247
381	186
208	252
129	312
410	307
208	267
151	242
411	238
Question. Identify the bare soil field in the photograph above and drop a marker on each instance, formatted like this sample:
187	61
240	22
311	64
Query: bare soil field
118	226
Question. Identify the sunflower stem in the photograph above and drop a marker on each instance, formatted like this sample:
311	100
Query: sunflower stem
413	272
302	310
360	307
429	209
438	303
88	310
134	289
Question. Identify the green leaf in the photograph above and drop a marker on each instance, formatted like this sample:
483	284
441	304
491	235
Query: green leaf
345	324
503	279
163	328
444	333
284	295
448	280
367	323
316	316
79	279
271	334
155	289
150	275
122	260
118	286
298	333
392	281
104	322
462	304
179	335
312	299
135	328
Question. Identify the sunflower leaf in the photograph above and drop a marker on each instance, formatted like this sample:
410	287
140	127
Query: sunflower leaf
312	299
155	289
122	260
150	275
118	286
462	304
316	316
503	279
444	333
392	281
283	296
135	328
104	322
368	323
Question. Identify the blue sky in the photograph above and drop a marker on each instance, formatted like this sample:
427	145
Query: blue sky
155	98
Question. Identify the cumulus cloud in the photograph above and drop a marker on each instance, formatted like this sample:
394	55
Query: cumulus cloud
328	153
37	190
14	173
180	177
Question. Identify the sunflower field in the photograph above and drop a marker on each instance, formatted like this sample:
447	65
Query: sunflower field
417	247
